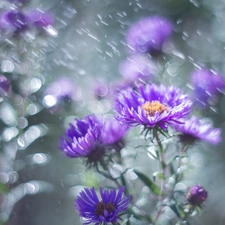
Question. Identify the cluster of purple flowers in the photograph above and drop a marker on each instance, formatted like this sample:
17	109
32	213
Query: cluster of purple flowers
16	21
152	106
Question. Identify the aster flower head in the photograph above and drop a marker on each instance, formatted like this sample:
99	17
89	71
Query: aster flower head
5	84
207	85
103	210
137	67
13	21
152	106
83	140
196	195
148	34
195	129
92	138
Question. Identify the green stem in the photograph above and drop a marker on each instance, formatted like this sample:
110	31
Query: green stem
163	169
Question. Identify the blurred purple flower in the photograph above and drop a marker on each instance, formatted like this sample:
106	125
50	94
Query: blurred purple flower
13	21
62	89
207	85
40	19
152	106
149	34
5	84
101	211
196	195
194	129
113	134
137	67
91	137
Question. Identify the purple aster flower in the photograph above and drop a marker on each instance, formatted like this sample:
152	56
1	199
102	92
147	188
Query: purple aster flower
149	34
92	138
105	210
152	106
13	21
137	67
83	140
5	84
194	129
207	85
40	19
196	195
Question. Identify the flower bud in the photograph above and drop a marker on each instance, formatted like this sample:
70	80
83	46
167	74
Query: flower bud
196	195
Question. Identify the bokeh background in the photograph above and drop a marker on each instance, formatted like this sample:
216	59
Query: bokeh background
87	44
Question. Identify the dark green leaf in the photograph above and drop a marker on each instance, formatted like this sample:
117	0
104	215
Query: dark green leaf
175	210
152	186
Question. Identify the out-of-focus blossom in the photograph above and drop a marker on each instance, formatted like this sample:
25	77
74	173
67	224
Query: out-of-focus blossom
194	129
207	85
105	210
149	34
5	84
91	137
40	19
152	106
196	195
137	67
62	89
113	133
13	21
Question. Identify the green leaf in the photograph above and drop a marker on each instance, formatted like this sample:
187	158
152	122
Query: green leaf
152	186
175	210
3	188
158	175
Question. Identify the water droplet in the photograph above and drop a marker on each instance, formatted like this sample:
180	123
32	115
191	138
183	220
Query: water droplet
35	84
9	133
7	66
22	122
49	101
4	178
131	175
21	142
151	152
51	31
40	158
31	187
32	109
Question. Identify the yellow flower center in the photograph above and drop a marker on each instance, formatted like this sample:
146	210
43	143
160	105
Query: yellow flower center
151	108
